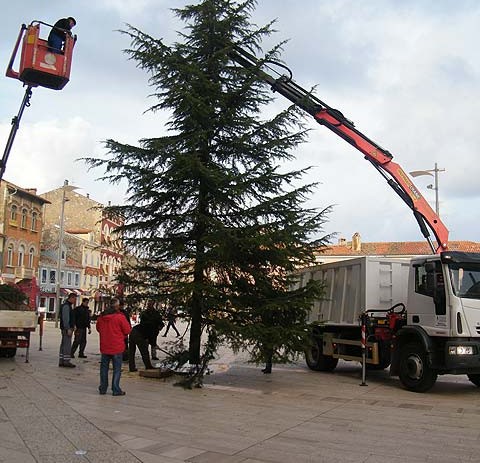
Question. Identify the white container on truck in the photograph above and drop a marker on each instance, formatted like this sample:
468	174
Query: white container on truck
15	329
422	316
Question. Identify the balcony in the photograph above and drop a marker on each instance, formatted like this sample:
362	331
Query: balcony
23	272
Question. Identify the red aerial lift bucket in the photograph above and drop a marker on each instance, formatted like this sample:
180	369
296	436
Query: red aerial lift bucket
38	65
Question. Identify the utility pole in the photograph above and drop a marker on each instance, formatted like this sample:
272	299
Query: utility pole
66	187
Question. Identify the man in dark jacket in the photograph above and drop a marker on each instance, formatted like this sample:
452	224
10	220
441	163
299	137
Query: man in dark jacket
152	319
67	325
82	324
143	334
57	35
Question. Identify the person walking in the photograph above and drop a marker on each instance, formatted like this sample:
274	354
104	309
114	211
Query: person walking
171	318
67	325
112	327
82	324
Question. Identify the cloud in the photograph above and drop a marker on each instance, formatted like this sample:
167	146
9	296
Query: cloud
405	72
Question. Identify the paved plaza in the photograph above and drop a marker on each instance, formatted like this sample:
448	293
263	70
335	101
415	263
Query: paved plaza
55	415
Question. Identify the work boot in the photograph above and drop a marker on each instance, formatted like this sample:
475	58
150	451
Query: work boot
68	365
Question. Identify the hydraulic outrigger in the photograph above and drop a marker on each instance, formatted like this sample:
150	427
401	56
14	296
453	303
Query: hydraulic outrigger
334	120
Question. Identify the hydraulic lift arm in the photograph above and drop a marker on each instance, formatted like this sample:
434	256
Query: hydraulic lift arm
380	158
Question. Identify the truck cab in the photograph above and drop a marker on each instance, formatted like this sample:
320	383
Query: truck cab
442	331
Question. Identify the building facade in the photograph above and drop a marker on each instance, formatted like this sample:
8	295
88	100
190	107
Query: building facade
21	223
68	274
101	252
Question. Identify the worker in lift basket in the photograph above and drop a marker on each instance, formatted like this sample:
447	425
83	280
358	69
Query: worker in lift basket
57	35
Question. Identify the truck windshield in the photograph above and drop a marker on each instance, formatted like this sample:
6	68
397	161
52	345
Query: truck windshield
465	280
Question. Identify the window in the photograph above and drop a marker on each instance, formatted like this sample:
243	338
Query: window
51	304
429	282
31	256
77	279
24	219
69	278
62	278
63	254
53	276
21	255
423	281
10	255
43	276
34	221
13	213
465	279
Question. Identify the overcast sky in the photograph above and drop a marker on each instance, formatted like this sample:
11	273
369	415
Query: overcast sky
407	73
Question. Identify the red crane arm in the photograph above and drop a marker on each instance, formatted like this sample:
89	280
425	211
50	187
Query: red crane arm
344	128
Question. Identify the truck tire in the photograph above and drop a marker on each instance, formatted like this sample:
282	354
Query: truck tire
8	352
475	379
316	360
415	374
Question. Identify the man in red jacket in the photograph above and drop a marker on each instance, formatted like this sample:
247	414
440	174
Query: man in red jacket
112	327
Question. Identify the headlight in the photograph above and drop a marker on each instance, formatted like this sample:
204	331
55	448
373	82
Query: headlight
460	350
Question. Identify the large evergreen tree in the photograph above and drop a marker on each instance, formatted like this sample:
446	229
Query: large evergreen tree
215	223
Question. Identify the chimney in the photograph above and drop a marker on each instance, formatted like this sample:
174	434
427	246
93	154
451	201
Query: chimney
88	195
356	242
342	241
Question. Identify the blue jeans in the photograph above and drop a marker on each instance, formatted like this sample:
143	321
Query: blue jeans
117	371
55	43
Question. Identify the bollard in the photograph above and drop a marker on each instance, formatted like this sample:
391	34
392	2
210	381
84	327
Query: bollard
40	329
364	349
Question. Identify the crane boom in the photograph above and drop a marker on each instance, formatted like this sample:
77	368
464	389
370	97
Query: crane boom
380	158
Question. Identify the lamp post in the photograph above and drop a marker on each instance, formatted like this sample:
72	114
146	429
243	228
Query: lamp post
66	187
436	170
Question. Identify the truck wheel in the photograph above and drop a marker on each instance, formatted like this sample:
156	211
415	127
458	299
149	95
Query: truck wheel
316	360
475	379
415	374
8	352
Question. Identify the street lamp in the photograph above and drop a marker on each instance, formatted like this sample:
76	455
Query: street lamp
418	173
66	187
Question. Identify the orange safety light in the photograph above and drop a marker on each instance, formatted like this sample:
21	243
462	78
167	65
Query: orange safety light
39	66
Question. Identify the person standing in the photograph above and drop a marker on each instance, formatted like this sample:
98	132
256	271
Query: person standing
126	313
112	327
82	324
67	325
58	34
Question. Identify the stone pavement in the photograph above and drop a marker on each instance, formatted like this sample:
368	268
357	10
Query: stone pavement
55	415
